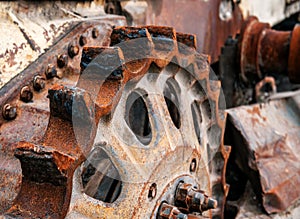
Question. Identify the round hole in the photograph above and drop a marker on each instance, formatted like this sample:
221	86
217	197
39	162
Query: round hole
137	117
100	178
197	120
171	100
193	165
152	191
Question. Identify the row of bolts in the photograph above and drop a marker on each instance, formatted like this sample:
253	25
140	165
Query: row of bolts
9	112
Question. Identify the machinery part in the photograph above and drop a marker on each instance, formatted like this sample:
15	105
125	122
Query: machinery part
263	51
266	150
26	94
262	96
293	61
11	178
51	163
253	57
9	112
28	122
201	18
30	28
145	104
169	212
38	83
193	200
157	121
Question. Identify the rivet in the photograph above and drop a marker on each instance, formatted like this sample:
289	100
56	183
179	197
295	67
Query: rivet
82	40
9	112
26	94
73	50
38	83
62	60
51	71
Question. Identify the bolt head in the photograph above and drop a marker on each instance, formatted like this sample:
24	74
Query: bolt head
9	112
38	83
62	60
82	40
73	50
51	71
26	94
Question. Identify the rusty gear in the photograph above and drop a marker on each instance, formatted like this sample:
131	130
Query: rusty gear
152	116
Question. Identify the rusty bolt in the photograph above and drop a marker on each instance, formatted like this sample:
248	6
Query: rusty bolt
26	94
38	83
82	40
51	71
193	165
62	60
167	211
95	33
9	112
152	191
73	50
211	204
194	200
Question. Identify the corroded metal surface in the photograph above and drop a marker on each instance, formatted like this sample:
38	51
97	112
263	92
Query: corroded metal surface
30	28
263	51
151	155
265	146
25	118
203	18
156	92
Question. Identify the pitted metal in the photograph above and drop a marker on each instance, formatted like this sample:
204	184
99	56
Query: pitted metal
137	124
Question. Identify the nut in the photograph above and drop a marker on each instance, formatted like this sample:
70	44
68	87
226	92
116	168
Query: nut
167	211
73	50
38	83
82	40
9	112
51	71
26	94
62	60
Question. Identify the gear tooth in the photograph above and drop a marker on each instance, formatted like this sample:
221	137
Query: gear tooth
201	67
165	44
123	34
215	85
136	45
202	62
109	62
188	40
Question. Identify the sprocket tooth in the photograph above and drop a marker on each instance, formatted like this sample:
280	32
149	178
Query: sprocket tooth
165	44
187	43
103	70
101	63
52	161
136	45
201	64
189	40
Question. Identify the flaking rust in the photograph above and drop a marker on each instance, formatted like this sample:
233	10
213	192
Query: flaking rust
82	98
265	146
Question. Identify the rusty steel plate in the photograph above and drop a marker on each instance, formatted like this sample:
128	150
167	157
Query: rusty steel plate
265	140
